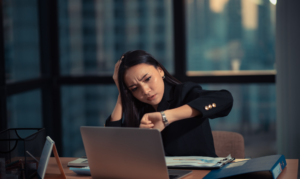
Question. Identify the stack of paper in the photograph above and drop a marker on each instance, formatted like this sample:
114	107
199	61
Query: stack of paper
197	162
80	162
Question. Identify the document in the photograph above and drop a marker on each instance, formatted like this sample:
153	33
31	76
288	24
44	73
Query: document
197	162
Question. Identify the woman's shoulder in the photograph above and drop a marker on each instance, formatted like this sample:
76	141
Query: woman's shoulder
186	86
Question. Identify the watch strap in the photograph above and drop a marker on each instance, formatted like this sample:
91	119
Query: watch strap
164	118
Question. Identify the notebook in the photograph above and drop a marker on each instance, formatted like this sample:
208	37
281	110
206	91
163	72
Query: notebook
134	153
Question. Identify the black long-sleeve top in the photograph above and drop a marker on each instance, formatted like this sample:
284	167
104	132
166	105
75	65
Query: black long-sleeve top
192	136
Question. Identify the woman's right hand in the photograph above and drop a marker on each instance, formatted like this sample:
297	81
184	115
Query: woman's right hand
116	71
146	123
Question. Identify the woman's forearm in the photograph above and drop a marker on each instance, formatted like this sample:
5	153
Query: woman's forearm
117	112
182	112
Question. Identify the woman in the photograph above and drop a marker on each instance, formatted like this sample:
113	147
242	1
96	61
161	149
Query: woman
149	97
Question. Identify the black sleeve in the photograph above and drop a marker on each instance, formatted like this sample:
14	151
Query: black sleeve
109	123
199	99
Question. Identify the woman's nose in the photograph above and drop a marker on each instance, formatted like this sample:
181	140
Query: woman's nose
145	89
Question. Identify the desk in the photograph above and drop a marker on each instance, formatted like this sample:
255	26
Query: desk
289	172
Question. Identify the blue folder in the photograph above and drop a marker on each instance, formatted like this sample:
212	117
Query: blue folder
273	164
81	171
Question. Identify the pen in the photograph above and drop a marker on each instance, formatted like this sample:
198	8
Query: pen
32	156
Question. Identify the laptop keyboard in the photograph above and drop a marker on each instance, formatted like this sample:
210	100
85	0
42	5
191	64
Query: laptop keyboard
172	176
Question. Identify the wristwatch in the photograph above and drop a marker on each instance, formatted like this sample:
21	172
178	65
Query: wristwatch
164	118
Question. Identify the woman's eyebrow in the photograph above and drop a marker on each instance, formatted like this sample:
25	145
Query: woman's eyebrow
144	76
139	80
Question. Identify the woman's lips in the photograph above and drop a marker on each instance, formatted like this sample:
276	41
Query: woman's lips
151	97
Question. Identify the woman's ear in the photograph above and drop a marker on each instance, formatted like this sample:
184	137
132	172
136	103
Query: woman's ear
161	71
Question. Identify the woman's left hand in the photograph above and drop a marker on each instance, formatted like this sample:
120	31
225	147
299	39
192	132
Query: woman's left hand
155	118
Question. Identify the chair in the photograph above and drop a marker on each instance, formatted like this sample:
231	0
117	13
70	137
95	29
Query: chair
229	143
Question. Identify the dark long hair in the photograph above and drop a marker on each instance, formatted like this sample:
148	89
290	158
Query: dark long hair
133	109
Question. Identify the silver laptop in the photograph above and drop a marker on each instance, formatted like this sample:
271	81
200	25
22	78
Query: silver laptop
132	153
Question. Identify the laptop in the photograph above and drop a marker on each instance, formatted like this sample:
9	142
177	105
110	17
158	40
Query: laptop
133	153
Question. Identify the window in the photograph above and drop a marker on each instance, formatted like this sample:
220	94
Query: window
21	40
24	110
91	43
84	106
230	37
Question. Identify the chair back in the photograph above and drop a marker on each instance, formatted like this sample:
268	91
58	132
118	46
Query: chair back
229	143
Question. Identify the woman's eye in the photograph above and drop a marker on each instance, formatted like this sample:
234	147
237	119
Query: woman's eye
148	79
133	89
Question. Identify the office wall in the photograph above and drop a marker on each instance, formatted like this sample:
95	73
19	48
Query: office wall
287	79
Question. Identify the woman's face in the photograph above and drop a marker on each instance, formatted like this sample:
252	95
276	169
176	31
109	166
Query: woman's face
145	83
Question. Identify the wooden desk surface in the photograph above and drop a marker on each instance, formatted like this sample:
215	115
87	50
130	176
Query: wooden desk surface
289	172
